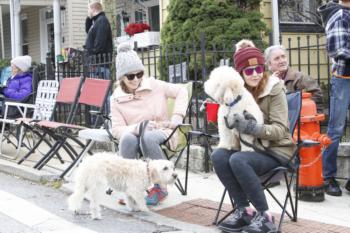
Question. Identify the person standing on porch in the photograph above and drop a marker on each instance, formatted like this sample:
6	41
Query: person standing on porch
98	43
336	19
99	33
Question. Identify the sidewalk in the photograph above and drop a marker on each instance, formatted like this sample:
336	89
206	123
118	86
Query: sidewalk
195	211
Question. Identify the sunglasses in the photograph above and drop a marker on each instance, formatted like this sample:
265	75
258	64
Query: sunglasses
131	77
250	71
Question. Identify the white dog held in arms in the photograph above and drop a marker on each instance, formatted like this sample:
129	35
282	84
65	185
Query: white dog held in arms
226	87
103	170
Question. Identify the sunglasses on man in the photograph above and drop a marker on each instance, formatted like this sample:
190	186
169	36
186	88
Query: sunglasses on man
258	69
131	77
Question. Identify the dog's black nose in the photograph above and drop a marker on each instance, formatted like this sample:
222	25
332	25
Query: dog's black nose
174	175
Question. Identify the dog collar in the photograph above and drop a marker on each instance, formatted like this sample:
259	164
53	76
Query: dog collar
235	101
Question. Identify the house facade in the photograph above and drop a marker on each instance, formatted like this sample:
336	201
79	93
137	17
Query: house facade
37	32
36	35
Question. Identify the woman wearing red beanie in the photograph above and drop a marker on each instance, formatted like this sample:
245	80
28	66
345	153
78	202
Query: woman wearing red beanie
239	171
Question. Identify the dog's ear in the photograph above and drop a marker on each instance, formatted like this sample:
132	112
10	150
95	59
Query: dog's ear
228	94
154	175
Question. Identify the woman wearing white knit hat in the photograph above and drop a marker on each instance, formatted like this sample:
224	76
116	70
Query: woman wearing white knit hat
19	86
137	99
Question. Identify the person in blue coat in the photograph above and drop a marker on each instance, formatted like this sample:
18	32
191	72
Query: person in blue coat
19	85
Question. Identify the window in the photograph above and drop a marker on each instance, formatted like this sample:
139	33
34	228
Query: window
139	16
24	35
299	16
153	15
299	11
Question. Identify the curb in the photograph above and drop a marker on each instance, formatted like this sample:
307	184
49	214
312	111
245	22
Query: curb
25	172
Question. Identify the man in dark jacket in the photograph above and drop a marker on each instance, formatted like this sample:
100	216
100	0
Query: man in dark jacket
277	62
336	18
99	34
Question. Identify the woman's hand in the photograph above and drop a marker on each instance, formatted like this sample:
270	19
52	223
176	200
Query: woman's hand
152	125
245	123
167	124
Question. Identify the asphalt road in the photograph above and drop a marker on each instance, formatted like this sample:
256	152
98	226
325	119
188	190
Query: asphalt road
27	207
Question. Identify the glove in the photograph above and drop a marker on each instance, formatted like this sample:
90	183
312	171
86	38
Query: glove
245	123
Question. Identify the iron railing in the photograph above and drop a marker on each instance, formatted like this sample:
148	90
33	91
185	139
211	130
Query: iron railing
193	61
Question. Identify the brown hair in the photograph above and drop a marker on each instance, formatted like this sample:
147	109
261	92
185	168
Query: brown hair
123	86
258	90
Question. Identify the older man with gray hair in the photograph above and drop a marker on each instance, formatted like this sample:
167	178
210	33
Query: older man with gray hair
277	62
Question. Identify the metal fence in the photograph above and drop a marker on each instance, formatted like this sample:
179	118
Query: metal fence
193	61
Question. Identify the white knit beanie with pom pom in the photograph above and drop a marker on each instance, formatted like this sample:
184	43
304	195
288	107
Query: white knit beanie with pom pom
127	61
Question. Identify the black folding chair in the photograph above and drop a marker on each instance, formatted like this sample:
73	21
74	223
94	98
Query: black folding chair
287	173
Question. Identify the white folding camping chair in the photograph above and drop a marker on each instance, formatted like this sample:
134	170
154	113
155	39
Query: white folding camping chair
43	109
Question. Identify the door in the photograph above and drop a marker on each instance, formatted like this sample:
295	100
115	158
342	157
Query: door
47	40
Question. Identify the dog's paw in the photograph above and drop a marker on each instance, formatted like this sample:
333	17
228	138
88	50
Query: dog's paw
144	209
81	212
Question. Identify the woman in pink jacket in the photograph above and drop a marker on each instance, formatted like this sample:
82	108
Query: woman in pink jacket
138	98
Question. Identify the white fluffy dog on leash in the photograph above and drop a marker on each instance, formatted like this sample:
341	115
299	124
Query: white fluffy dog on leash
103	170
226	87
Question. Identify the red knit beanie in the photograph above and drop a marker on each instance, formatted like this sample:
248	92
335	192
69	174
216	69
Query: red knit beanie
249	56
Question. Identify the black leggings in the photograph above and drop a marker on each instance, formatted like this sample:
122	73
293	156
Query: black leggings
239	172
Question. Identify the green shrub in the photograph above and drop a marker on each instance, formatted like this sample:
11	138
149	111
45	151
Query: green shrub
4	62
221	21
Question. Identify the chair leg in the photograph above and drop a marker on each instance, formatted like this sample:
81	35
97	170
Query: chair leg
187	167
76	162
182	189
47	156
215	222
287	198
30	152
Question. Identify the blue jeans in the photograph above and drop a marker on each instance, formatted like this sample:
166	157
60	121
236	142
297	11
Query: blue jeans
239	172
339	103
129	145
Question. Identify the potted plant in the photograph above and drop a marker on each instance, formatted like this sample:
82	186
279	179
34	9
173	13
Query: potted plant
134	28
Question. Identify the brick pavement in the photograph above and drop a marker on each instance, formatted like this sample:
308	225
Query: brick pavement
202	212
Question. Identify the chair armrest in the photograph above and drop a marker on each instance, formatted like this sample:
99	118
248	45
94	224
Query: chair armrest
203	134
183	128
19	104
